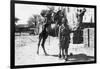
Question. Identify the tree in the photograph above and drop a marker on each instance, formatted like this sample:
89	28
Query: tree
31	22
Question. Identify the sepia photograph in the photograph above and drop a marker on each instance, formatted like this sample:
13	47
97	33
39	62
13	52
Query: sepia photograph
45	33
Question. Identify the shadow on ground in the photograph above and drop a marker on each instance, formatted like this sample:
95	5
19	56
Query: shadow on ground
77	57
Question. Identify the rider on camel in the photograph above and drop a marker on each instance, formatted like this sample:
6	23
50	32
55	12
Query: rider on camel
48	17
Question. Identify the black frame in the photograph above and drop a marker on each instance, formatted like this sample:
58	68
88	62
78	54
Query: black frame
12	38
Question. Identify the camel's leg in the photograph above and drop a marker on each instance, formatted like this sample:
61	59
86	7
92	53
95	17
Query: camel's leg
43	42
40	38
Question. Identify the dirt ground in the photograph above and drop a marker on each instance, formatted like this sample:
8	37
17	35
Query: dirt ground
26	48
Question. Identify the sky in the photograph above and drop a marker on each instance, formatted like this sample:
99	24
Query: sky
25	11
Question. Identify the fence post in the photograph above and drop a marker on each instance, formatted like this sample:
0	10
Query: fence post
88	38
